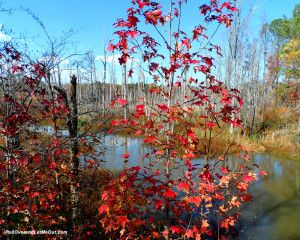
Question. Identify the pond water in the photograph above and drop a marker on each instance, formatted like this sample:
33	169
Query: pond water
274	212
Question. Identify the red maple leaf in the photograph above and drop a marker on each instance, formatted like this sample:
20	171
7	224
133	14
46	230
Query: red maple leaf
178	84
125	155
224	170
246	198
149	139
119	101
240	100
210	124
130	73
132	33
236	123
152	17
122	220
142	4
191	134
163	107
115	123
170	194
140	107
175	229
183	186
158	204
138	132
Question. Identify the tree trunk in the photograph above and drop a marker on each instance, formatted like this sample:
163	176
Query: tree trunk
74	151
72	123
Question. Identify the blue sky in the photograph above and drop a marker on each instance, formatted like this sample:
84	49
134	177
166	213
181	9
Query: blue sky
92	19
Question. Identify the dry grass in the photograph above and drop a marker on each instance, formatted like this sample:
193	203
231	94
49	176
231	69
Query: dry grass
249	144
277	142
92	183
281	143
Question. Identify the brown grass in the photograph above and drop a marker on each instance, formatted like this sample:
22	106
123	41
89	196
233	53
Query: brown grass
92	183
276	142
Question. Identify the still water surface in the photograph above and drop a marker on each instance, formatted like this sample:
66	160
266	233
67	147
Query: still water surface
274	212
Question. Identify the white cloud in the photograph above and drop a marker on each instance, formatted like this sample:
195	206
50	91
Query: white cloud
4	37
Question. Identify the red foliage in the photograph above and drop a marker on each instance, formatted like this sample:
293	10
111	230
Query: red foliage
30	196
174	196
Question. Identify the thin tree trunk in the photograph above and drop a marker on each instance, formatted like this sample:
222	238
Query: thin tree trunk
74	151
72	123
124	76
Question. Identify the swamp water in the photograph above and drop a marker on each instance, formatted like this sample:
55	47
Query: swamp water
274	212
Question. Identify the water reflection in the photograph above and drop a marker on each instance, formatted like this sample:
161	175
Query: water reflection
116	146
48	130
275	210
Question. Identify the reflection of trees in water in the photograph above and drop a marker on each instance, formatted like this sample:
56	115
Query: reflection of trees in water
283	179
116	146
276	204
125	150
281	221
274	212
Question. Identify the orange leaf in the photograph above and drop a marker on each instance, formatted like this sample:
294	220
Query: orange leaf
263	173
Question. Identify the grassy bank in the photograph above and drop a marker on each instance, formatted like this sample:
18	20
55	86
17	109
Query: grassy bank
272	142
283	142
